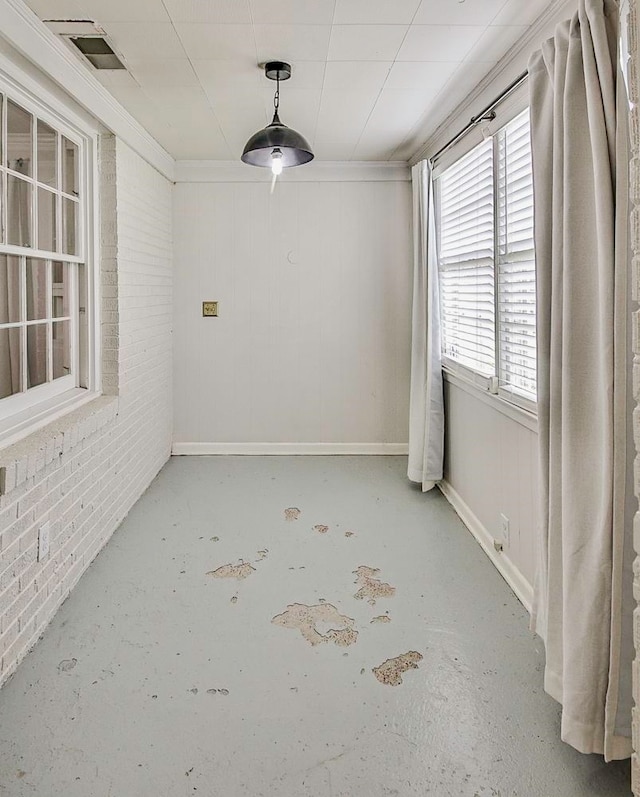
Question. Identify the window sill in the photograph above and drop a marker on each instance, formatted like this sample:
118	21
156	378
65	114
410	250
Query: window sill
501	405
22	460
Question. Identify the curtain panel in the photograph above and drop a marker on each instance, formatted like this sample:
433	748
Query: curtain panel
580	163
426	412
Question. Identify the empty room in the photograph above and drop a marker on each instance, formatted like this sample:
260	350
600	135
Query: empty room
319	364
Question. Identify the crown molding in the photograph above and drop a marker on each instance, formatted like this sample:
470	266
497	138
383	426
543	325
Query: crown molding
315	172
24	31
510	65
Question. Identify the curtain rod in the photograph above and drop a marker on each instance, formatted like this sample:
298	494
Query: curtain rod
487	114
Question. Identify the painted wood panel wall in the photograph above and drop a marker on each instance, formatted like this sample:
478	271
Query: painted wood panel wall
312	344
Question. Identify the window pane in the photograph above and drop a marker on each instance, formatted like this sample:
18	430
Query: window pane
466	260
60	290
69	167
9	289
61	349
19	212
516	259
19	139
69	225
36	289
47	154
37	354
46	220
10	361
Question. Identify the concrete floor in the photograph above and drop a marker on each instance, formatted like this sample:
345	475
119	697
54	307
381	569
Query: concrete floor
164	676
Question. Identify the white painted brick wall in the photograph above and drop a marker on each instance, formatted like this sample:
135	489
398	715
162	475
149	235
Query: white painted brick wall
85	472
634	185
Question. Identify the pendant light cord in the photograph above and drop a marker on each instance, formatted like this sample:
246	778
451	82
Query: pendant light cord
276	99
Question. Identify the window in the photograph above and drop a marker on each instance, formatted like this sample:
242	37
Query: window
43	259
487	263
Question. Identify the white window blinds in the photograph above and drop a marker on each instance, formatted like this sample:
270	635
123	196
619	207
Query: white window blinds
466	244
487	262
516	260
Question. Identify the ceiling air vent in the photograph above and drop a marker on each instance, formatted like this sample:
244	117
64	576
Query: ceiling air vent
97	51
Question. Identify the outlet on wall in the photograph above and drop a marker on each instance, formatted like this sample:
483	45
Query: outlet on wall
43	540
504	524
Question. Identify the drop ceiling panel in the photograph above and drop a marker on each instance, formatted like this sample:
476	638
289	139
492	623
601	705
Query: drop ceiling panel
365	76
333	152
240	115
395	112
124	10
212	11
197	141
453	12
145	40
371	78
515	12
366	12
343	116
179	101
219	42
439	42
366	42
292	12
220	77
60	9
494	42
169	72
292	42
427	75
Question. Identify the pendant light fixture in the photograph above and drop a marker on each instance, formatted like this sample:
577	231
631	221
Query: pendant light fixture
277	146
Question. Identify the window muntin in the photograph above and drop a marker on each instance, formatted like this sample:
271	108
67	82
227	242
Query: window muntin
487	263
42	256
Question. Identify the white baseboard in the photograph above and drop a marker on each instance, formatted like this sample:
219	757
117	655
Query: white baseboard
506	568
281	449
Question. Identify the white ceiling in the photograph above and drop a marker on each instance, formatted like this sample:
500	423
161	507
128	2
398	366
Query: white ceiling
368	75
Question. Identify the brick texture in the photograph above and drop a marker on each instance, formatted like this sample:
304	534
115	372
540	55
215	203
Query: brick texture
86	471
634	183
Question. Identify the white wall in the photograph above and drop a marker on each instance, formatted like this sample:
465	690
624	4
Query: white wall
491	470
85	472
312	343
490	466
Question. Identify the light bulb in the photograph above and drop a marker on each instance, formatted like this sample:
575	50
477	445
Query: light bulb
276	162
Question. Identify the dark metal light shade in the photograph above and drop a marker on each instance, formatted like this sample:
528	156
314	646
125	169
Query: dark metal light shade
294	148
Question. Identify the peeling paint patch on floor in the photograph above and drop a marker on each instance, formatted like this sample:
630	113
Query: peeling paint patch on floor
262	554
306	619
291	513
66	665
349	533
371	587
381	618
239	571
390	671
321	529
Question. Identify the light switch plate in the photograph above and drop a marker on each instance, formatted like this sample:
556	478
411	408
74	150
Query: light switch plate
209	309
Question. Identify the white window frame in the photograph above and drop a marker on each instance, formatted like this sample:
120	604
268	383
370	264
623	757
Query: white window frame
23	413
514	105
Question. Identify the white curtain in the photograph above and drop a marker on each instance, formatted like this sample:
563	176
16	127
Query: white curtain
581	602
426	413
